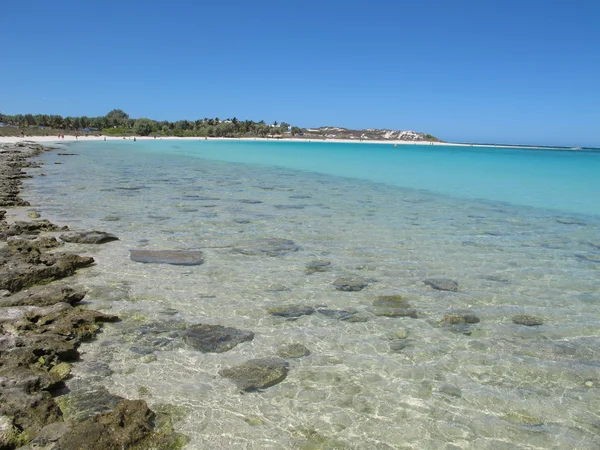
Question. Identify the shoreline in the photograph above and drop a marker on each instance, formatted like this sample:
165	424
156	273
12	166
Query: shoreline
42	325
73	138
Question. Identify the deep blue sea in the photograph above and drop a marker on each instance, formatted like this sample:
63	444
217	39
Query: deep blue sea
517	230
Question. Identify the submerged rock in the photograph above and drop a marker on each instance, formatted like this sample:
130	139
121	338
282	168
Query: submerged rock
527	320
339	314
394	312
292	312
267	246
88	237
393	306
350	284
457	318
257	373
292	351
317	266
174	257
215	338
442	284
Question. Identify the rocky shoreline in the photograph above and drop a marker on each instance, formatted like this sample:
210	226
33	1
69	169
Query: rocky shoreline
42	326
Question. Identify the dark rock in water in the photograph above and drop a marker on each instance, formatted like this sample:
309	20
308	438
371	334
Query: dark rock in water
111	219
267	246
442	284
496	278
175	257
394	312
339	314
257	373
215	338
292	351
317	266
44	296
399	345
201	198
450	390
87	401
292	312
392	301
250	202
131	188
529	321
589	257
289	206
350	284
458	318
88	237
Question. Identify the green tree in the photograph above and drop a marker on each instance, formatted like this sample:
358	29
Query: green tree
117	117
295	131
143	126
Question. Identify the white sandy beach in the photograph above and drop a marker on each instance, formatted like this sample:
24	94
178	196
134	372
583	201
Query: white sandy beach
68	138
71	138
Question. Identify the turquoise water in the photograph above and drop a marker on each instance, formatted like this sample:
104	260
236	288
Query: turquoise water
391	216
563	180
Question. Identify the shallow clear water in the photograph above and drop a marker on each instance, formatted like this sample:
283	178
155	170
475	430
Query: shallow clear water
384	383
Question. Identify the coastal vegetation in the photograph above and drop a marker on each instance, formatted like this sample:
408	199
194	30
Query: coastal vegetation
119	123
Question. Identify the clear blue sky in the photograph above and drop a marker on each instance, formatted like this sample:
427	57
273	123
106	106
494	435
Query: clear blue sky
524	71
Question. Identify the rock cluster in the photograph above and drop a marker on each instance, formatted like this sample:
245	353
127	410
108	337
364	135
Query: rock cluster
41	328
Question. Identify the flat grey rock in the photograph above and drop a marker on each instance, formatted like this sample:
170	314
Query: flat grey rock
257	373
442	284
88	237
527	320
292	312
267	246
215	338
175	257
292	351
350	284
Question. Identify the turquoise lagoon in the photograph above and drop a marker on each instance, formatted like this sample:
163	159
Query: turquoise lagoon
519	230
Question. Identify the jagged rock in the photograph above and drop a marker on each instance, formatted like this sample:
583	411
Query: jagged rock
130	425
9	434
257	373
44	296
35	268
88	237
174	257
292	351
442	284
527	320
350	284
267	246
215	338
87	401
292	312
62	370
33	227
26	244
